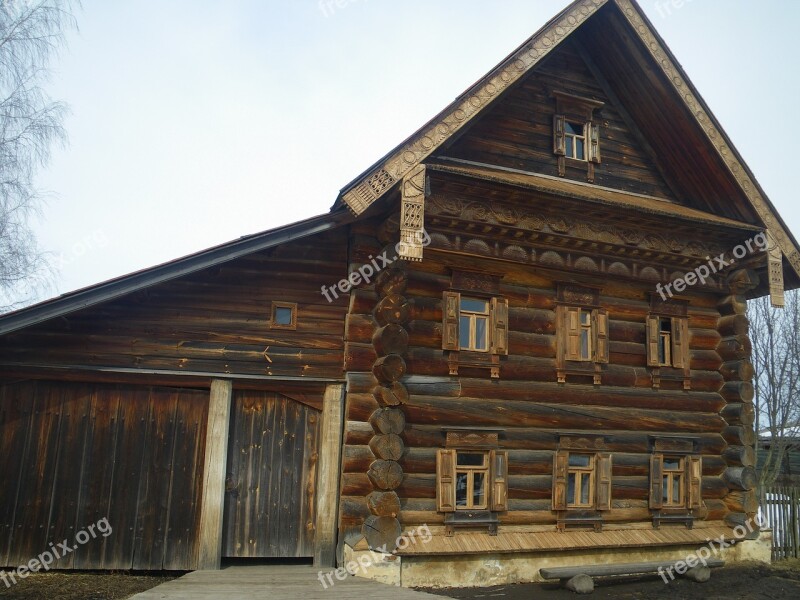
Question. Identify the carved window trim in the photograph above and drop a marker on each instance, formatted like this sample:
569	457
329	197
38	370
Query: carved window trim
280	306
575	305
600	481
571	109
678	367
685	450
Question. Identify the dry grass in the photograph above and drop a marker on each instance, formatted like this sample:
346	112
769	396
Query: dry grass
83	585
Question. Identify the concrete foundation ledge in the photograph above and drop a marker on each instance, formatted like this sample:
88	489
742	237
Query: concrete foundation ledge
487	569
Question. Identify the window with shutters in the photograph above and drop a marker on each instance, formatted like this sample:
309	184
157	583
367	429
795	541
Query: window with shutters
576	132
581	480
469	479
583	334
675	486
667	341
575	140
673	475
475	327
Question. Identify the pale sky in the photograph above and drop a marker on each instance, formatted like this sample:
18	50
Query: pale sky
196	122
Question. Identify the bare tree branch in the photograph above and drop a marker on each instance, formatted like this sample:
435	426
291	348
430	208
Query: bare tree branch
31	33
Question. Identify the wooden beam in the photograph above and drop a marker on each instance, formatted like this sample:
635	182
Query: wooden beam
216	460
330	447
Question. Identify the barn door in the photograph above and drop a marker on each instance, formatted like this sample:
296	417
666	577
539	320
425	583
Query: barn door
271	474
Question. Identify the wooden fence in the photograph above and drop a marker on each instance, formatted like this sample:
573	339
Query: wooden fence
780	505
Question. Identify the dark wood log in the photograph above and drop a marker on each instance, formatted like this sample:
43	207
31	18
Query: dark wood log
732	305
742	281
704	339
382	533
388	420
390	339
745	523
739	370
359	357
737	391
392	394
736	435
390	282
385	474
741	501
530	320
741	478
739	413
389	369
735	347
706	360
741	456
387	446
384	504
732	325
393	309
359	328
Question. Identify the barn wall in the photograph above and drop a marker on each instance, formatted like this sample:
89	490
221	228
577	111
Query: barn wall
72	454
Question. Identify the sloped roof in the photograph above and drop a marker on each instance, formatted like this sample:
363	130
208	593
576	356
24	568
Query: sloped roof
120	286
374	183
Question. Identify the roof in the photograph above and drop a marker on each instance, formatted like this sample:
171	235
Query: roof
120	286
381	177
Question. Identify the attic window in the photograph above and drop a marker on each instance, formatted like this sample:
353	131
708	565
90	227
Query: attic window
283	315
576	132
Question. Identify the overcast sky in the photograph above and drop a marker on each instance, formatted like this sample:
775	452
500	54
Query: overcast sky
196	122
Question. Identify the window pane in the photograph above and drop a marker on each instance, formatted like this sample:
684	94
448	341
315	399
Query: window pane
672	464
665	325
478	484
574	128
662	350
579	460
585	487
676	490
665	488
283	315
584	343
579	149
569	146
461	489
463	332
571	488
474	305
586	318
471	459
480	333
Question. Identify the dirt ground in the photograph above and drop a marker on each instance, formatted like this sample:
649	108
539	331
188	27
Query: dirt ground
82	585
751	581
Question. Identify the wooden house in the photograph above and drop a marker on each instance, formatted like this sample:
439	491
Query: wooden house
521	333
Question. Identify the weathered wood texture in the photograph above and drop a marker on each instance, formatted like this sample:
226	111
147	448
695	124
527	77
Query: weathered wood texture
327	487
215	321
272	468
73	454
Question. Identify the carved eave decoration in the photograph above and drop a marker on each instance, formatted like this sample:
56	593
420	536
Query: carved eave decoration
398	164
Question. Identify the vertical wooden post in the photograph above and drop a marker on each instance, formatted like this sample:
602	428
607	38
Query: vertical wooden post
330	447
215	463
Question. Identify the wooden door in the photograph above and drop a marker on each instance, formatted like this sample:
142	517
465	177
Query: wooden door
271	477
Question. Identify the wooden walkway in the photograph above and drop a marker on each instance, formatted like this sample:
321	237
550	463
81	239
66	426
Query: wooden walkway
275	582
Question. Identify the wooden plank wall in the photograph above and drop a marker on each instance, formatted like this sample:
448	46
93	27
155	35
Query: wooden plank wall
72	454
215	321
272	469
528	403
518	131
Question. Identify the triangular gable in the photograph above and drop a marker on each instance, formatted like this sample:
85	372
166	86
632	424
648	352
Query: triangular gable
383	176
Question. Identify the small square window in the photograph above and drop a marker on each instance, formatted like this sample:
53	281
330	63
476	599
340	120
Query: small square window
284	315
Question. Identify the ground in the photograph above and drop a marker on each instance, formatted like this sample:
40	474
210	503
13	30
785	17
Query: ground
83	585
747	581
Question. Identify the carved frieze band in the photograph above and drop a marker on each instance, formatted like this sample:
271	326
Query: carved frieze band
421	146
412	215
715	137
775	271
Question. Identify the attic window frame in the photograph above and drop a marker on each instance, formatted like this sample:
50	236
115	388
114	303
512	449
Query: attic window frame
576	110
292	306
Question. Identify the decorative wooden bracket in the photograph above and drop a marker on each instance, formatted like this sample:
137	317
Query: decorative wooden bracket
775	270
412	215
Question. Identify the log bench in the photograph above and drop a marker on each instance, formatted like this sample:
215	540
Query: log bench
566	574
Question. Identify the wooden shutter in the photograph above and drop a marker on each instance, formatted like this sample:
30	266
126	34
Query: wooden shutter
451	308
560	462
594	142
559	135
445	480
572	333
656	480
499	326
653	334
680	342
603	474
600	331
694	478
498	459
